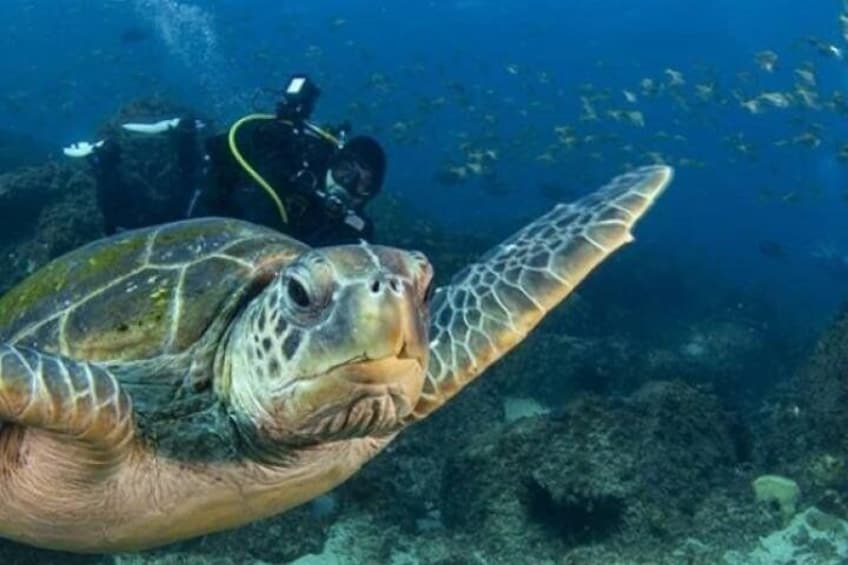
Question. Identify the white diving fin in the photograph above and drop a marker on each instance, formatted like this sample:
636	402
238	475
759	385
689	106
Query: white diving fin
81	149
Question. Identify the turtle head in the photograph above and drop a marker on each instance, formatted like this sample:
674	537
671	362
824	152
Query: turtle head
335	347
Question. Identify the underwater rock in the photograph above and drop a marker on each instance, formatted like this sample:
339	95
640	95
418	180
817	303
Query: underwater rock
774	489
801	426
157	172
12	553
25	192
811	538
554	365
21	150
823	388
516	408
280	539
47	210
637	469
402	486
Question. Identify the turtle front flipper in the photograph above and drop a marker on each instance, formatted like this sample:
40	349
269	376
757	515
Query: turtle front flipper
490	306
80	400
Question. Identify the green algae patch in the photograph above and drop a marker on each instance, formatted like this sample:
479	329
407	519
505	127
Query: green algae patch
778	490
67	280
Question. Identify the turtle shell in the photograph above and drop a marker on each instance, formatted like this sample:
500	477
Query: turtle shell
144	293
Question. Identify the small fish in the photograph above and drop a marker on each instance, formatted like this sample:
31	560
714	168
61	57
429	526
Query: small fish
451	175
806	75
675	78
808	98
825	48
705	91
636	118
766	60
807	139
753	105
776	99
843	22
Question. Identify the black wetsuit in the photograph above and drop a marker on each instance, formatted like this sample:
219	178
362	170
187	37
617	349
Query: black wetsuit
292	161
143	181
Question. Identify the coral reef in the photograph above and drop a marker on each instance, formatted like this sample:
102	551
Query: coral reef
774	489
801	429
21	150
47	210
812	538
631	472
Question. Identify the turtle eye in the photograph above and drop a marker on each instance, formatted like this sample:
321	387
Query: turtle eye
307	287
298	294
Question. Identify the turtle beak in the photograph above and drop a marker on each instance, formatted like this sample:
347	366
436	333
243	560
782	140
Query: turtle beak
415	351
389	371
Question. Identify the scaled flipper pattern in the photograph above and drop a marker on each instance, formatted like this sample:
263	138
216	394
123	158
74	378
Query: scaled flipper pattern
490	306
80	400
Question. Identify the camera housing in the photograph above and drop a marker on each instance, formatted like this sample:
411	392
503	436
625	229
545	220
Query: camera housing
299	99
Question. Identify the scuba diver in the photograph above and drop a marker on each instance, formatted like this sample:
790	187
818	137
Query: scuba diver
279	170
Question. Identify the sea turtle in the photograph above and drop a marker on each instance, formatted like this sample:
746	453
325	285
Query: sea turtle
192	377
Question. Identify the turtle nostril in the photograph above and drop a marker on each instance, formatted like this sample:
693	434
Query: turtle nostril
392	282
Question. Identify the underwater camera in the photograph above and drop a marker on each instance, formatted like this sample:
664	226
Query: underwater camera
298	99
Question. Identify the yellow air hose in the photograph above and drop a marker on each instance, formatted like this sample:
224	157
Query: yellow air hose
231	139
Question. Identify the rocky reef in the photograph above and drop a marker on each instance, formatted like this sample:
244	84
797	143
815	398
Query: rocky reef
22	150
47	210
803	423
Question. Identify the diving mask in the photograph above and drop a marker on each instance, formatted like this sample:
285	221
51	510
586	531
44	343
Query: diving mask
355	178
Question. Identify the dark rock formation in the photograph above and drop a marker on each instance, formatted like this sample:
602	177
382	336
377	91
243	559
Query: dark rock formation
21	150
636	471
45	211
802	427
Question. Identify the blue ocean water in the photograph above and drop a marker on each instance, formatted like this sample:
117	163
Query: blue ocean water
549	98
509	74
